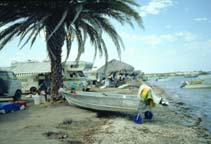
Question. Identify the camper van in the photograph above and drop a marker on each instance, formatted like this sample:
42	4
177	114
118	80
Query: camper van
9	85
33	73
74	76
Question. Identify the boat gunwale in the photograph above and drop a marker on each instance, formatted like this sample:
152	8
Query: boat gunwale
108	95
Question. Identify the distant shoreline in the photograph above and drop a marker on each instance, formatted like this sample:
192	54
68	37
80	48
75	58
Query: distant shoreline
187	73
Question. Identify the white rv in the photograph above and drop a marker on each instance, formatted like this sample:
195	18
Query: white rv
73	74
33	73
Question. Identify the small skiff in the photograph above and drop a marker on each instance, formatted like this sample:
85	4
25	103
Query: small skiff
103	101
197	86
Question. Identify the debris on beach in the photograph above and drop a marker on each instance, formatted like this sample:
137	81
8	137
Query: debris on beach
81	130
56	135
61	136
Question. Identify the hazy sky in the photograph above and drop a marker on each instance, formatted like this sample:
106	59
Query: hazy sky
177	37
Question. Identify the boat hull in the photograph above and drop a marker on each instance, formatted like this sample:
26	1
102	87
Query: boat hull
197	86
103	101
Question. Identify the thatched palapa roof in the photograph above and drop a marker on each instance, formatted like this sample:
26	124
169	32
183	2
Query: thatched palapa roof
114	66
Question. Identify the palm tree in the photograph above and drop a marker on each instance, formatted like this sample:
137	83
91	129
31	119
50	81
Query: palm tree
64	21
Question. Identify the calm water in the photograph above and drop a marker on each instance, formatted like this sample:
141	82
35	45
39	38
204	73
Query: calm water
199	100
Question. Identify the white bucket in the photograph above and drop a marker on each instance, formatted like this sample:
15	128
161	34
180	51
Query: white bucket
42	99
36	99
48	97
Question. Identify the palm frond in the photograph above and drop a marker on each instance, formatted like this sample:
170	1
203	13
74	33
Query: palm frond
83	19
59	24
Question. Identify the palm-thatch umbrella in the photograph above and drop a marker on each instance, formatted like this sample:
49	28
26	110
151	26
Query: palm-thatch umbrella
115	66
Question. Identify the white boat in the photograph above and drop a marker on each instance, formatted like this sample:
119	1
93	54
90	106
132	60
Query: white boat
197	86
103	101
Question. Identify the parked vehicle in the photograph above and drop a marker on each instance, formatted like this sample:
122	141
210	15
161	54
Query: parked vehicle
9	85
33	74
74	77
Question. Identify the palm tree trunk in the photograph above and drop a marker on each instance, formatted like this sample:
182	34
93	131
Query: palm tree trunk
54	47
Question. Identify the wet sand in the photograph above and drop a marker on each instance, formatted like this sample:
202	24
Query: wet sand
62	123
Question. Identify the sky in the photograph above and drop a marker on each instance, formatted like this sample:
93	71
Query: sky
176	37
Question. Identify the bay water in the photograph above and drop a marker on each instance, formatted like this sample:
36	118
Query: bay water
198	100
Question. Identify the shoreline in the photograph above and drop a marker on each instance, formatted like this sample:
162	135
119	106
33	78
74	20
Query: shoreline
66	124
182	108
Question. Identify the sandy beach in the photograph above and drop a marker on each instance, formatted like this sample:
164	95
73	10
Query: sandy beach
62	123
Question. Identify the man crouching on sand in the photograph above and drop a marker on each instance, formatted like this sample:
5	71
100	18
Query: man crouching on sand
148	99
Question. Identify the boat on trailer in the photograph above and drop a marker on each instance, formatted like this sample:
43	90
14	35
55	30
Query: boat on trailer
103	101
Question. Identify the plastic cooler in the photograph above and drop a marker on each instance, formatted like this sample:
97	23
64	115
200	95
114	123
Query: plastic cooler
6	107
